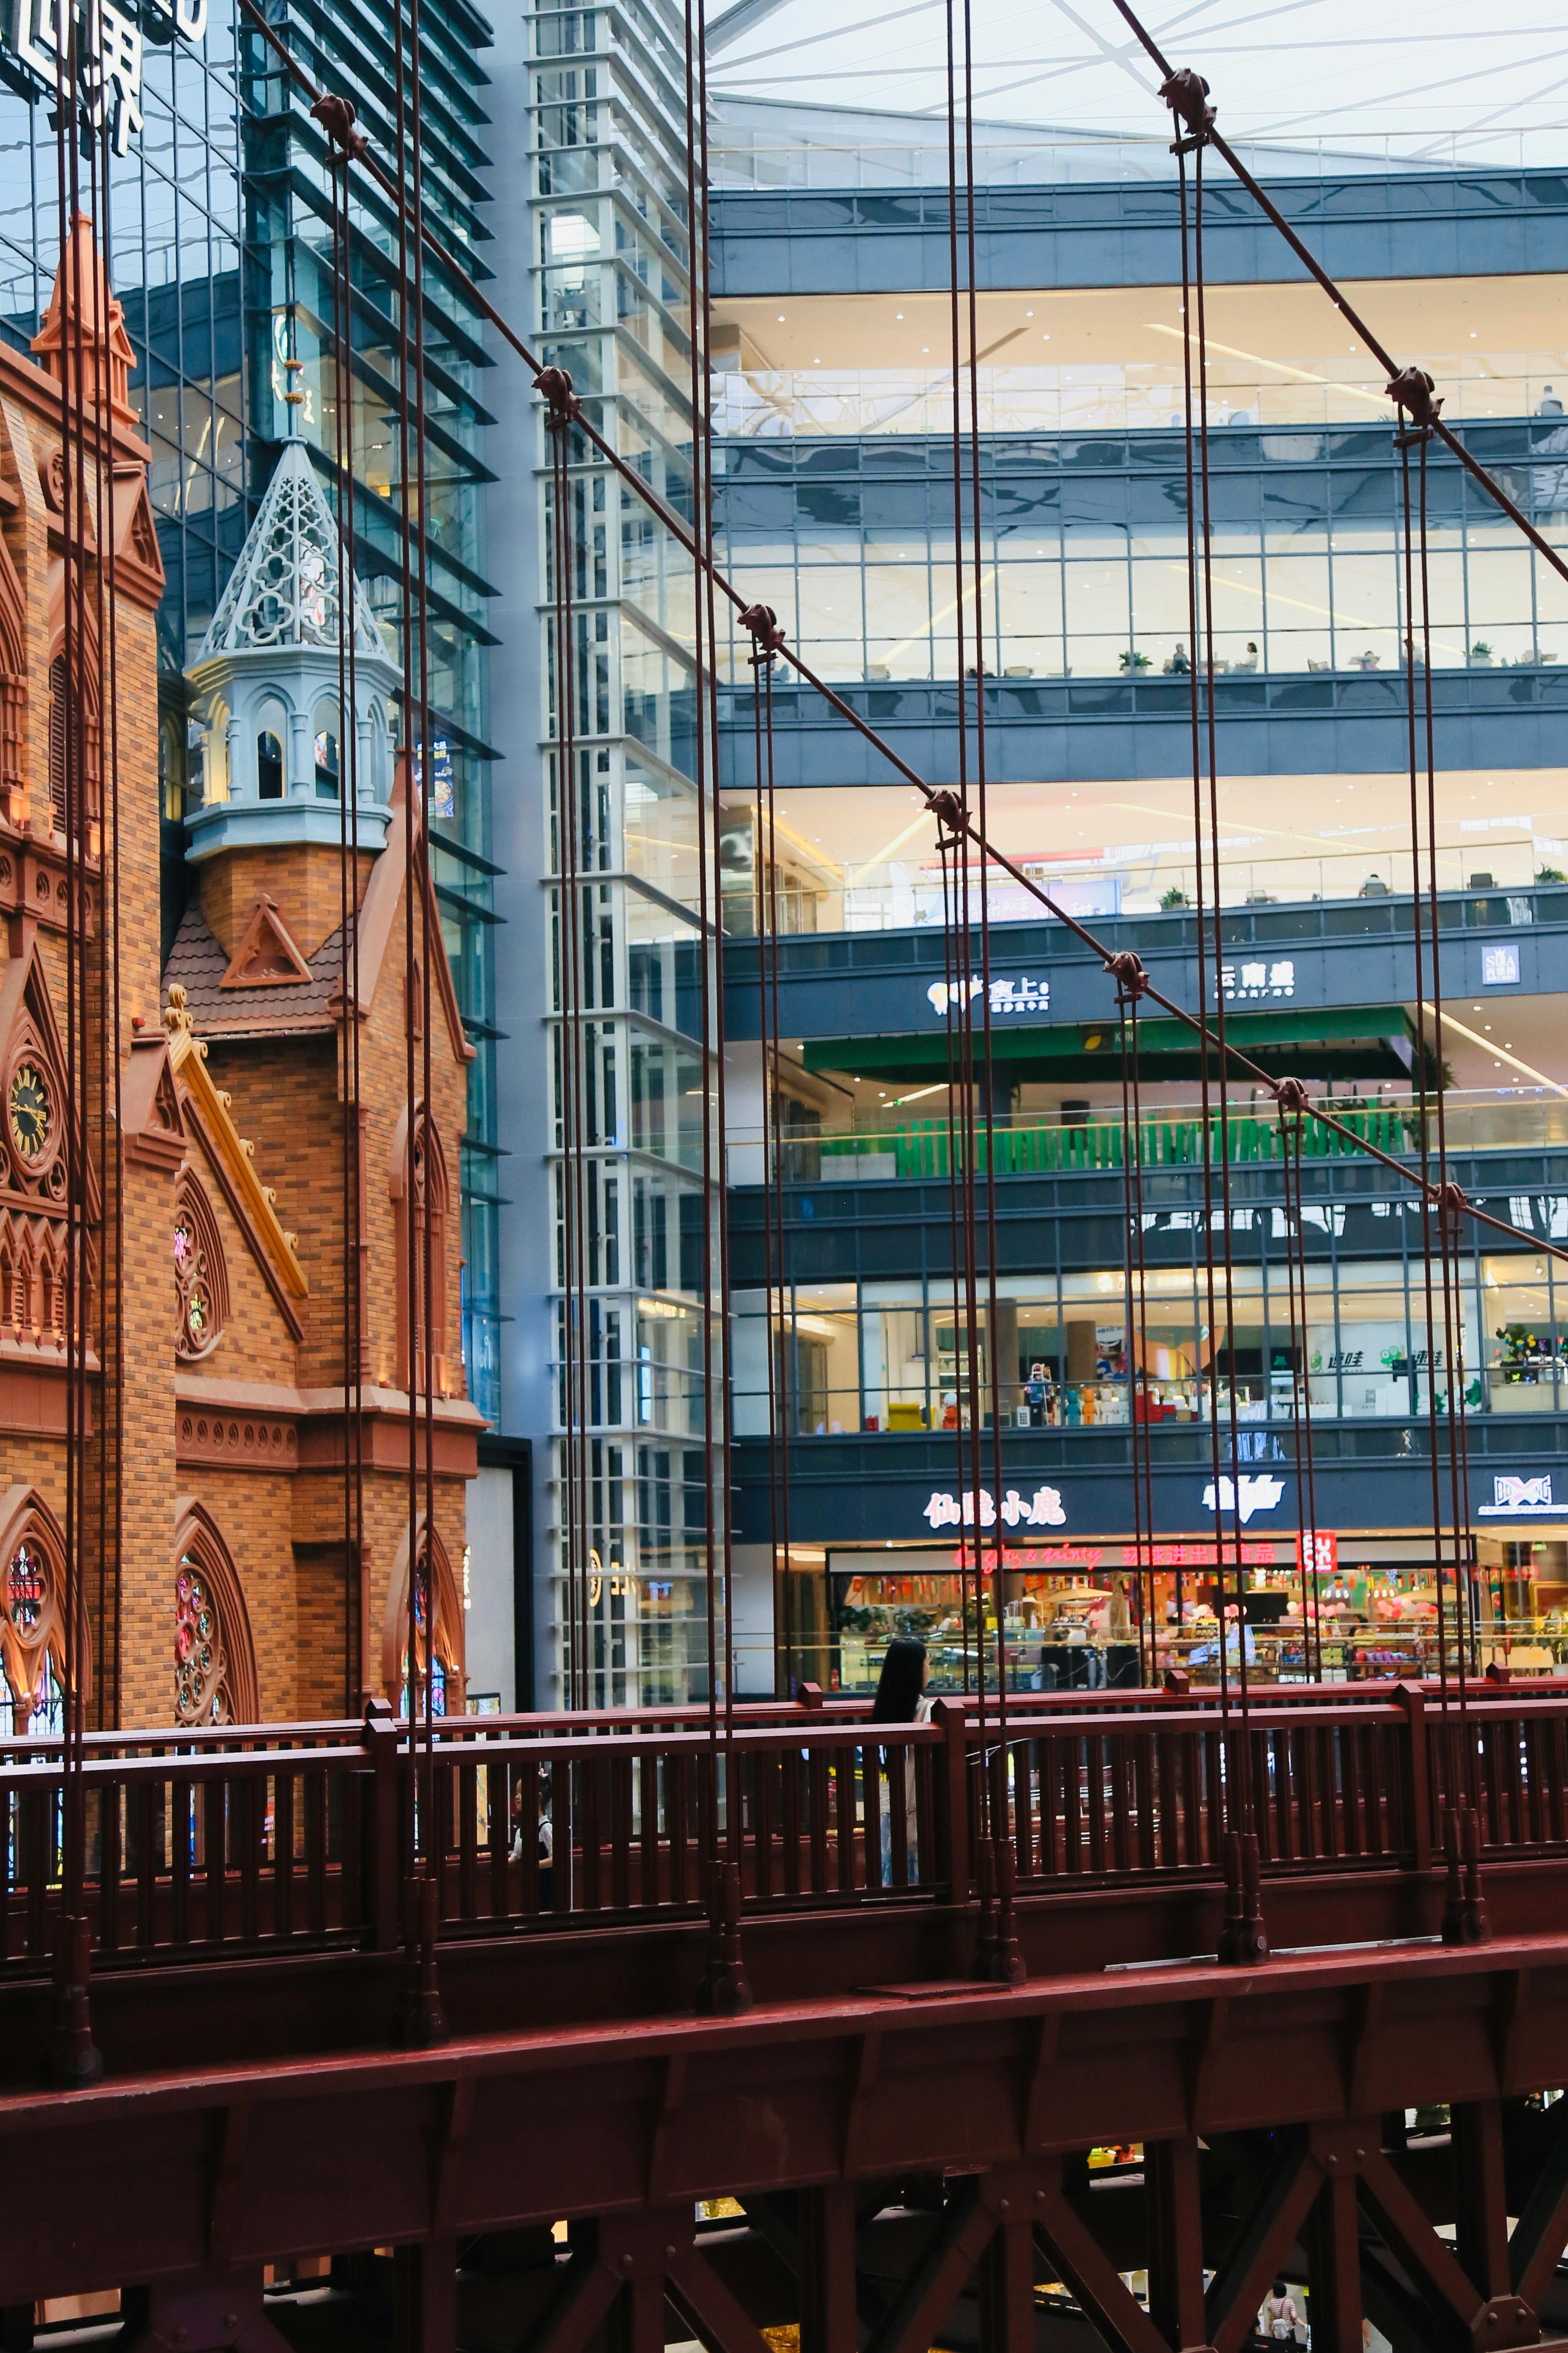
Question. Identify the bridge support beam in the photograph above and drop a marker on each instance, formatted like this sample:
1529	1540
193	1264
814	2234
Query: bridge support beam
424	2296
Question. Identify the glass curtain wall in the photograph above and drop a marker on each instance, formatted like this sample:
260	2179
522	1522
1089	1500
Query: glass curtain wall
290	249
851	542
170	227
611	259
894	1356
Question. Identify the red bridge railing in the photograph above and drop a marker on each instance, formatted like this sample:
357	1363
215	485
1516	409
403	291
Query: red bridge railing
295	1837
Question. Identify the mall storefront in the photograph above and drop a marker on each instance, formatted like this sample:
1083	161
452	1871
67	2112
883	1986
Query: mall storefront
1086	1605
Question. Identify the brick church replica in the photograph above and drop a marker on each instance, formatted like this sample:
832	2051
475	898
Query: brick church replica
239	1587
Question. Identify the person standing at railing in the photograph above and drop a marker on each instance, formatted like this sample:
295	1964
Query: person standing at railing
543	1831
902	1698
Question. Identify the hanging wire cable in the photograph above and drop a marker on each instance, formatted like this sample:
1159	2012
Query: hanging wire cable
961	1009
1007	1960
111	1196
709	568
1130	979
762	621
544	377
423	2021
709	918
75	2060
352	1170
950	852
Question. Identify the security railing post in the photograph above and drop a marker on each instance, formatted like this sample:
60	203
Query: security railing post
1416	1783
381	1856
951	1787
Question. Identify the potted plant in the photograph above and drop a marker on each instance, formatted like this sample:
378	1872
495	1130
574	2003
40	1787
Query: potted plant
1134	661
1480	655
1550	874
1175	897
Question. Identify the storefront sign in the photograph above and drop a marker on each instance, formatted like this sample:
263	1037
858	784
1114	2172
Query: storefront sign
1022	996
1519	1499
1246	983
1499	966
109	53
1252	1492
1321	1550
1043	1509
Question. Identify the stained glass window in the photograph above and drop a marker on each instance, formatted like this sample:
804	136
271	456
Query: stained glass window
201	1280
29	1641
201	1668
444	1667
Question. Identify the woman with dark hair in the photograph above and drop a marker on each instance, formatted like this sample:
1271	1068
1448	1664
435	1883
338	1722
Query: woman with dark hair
902	1698
900	1693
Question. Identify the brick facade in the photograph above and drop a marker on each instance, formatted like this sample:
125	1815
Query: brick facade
233	1117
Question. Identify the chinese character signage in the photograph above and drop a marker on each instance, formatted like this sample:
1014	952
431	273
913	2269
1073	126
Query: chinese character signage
1043	1509
1258	982
1318	1548
109	46
1025	995
1500	965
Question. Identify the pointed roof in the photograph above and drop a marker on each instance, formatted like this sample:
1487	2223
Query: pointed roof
283	592
106	353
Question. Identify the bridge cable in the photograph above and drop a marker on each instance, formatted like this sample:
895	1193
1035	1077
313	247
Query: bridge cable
546	376
355	1666
1244	1938
1130	979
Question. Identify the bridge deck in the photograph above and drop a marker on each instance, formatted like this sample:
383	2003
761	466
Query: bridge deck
245	1892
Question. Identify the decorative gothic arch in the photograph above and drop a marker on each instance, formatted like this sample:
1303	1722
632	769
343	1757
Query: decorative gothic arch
452	1669
201	1271
33	1616
432	1204
214	1657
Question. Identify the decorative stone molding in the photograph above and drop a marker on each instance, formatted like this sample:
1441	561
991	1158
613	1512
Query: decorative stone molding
235	1442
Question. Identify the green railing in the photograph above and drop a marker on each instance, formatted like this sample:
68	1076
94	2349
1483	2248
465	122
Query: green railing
920	1147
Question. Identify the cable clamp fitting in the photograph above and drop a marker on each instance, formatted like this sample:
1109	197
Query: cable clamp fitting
1410	391
1187	95
336	117
1290	1098
554	387
948	811
1451	1205
767	637
1127	971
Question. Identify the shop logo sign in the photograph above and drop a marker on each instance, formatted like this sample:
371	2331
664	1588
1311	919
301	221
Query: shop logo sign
1254	980
1023	996
1512	1498
1253	1492
1043	1509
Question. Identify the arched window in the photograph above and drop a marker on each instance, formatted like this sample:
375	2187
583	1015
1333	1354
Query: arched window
74	738
432	1198
201	1273
32	1617
58	741
13	682
215	1658
327	729
272	730
449	1671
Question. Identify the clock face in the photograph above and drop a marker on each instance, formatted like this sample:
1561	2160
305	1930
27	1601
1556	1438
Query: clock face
29	1111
